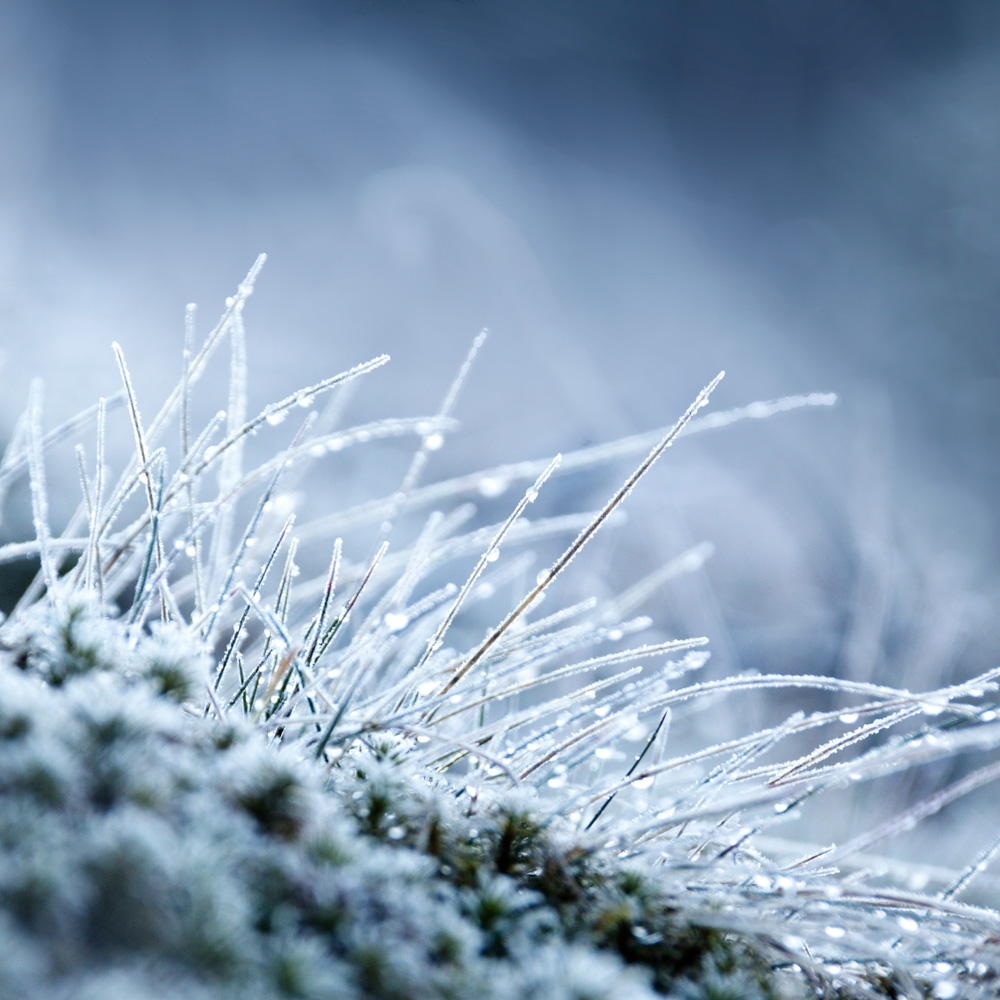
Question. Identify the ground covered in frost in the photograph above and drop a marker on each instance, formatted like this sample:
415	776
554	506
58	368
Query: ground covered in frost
144	847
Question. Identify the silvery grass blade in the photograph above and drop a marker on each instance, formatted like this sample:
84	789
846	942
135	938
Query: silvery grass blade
547	576
909	818
230	468
93	577
491	554
432	440
15	461
203	456
318	626
974	870
495	481
39	493
238	628
229	565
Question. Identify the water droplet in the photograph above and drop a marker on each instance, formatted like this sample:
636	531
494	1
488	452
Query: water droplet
433	441
493	486
251	542
849	717
396	832
423	739
276	417
543	577
531	495
179	544
230	302
485	591
646	782
303	399
317	451
335	444
602	710
191	551
557	782
932	708
604	753
908	923
945	990
493	555
835	932
396	621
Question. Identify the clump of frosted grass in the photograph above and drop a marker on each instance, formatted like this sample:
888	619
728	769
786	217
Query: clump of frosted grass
218	772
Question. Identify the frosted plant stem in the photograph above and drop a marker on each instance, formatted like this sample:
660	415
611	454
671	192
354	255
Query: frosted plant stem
595	663
229	573
39	494
85	488
664	721
331	585
140	444
582	458
16	458
346	699
189	333
155	546
197	366
430	442
342	618
303	396
977	867
93	562
564	560
909	819
230	467
488	556
258	584
271	621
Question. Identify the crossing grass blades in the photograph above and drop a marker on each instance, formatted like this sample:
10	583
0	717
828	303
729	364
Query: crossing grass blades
221	776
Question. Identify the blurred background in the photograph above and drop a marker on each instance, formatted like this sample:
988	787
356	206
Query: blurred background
630	196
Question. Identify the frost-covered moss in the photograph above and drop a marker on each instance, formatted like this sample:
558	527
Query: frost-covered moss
142	845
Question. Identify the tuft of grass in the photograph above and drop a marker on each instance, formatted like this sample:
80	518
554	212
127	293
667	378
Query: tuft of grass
402	773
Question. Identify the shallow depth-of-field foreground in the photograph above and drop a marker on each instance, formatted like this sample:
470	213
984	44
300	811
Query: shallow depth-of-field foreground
413	772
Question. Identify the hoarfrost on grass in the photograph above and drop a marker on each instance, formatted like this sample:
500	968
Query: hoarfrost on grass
354	783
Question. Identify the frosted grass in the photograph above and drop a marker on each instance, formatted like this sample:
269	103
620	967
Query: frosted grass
520	701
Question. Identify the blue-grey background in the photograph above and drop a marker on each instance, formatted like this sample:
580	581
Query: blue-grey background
631	196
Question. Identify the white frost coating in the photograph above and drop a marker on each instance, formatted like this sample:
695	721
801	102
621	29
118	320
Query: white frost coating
382	665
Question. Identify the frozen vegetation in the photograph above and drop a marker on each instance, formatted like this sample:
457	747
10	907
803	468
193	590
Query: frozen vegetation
222	777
